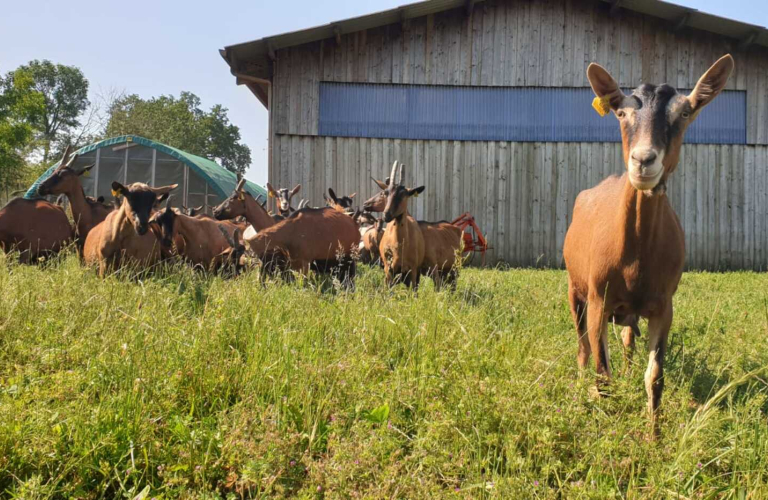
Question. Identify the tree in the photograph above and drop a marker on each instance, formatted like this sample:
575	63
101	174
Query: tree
65	92
181	123
20	104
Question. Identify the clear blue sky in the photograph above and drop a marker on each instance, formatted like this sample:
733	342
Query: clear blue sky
153	47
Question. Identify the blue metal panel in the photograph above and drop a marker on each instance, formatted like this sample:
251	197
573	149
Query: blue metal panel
498	114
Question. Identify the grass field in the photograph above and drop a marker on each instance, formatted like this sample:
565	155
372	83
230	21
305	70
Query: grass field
182	386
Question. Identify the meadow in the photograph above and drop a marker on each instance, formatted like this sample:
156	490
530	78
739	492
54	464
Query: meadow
180	385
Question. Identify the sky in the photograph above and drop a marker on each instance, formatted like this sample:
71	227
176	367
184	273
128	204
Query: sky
156	47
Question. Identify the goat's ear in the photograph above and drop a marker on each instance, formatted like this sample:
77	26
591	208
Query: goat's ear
118	189
271	191
161	198
416	191
382	185
295	190
353	195
100	199
86	171
711	83
333	195
604	86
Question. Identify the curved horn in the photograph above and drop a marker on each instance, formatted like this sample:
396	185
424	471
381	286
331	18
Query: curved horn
240	184
168	202
402	174
392	174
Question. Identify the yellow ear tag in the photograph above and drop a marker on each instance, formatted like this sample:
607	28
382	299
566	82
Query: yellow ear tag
602	105
87	173
270	194
242	196
115	194
416	195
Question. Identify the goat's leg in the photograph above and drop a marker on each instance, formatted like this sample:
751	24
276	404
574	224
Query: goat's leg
579	315
437	278
628	335
658	332
597	328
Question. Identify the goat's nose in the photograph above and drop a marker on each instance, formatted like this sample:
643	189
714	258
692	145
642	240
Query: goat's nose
644	156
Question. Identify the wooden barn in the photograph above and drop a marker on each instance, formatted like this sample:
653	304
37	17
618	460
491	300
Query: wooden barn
488	105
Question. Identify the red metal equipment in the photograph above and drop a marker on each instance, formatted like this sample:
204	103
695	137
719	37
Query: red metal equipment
474	241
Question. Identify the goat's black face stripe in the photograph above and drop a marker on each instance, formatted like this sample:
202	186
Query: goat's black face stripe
651	114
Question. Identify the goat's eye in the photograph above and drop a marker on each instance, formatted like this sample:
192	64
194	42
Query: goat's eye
685	115
621	114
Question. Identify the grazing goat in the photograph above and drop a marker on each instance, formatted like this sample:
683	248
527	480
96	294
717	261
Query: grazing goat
197	240
86	211
402	244
625	248
371	230
283	197
322	239
36	228
122	237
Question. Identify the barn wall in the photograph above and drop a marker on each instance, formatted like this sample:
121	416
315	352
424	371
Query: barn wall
546	43
522	194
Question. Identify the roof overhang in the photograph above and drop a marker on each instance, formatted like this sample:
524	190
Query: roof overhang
251	62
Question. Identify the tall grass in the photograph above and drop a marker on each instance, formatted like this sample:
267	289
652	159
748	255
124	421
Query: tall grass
179	385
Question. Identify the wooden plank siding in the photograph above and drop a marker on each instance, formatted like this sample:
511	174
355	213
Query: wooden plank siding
522	194
514	43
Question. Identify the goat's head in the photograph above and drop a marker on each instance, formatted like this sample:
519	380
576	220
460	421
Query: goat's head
139	202
65	178
654	119
234	206
398	195
163	225
283	197
344	202
192	211
377	202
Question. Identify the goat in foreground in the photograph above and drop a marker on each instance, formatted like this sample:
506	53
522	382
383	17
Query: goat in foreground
625	248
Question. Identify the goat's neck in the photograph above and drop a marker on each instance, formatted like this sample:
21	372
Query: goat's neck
639	216
402	224
256	215
122	227
81	210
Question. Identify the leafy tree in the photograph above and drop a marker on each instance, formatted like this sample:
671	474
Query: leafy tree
20	104
65	91
181	123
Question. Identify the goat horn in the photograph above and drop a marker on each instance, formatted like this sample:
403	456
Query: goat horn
392	174
402	174
168	202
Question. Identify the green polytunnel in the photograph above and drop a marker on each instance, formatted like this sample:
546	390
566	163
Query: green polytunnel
130	158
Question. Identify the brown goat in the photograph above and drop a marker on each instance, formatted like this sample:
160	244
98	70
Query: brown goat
36	228
86	211
241	204
625	248
371	230
442	242
123	236
402	244
283	197
323	239
199	241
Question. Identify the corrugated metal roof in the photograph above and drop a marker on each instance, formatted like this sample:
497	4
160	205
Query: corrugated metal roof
222	180
256	53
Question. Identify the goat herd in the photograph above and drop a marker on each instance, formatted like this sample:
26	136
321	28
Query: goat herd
624	250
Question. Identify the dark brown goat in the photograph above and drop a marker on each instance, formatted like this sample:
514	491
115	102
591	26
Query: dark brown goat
625	248
241	204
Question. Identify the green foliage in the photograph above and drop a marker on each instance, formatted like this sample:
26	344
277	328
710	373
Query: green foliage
181	123
185	386
20	104
65	93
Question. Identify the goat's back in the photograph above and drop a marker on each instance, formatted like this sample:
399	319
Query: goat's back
38	225
442	241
